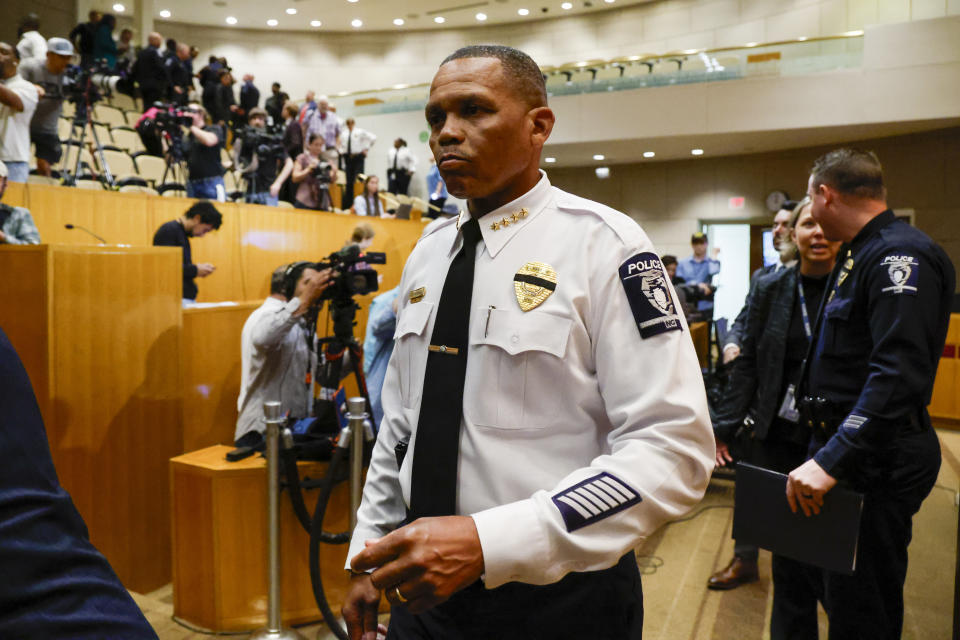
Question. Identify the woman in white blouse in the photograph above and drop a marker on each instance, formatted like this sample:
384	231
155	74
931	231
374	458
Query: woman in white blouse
368	203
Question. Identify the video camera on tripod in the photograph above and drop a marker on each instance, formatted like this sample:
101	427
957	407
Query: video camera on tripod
85	87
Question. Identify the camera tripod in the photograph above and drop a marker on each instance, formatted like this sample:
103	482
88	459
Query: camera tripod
78	133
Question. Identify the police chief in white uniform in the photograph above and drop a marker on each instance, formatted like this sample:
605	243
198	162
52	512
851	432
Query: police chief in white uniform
584	422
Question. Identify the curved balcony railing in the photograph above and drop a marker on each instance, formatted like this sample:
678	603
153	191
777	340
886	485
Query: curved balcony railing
800	56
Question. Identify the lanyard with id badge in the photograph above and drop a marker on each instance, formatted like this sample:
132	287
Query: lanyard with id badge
788	408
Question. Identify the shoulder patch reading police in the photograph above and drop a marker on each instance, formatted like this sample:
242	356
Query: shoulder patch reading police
649	296
903	272
594	499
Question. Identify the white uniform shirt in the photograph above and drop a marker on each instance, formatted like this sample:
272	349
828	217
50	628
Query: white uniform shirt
15	125
406	160
360	140
579	437
32	45
275	358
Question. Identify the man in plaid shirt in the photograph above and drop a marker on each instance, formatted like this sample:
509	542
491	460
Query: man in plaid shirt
16	223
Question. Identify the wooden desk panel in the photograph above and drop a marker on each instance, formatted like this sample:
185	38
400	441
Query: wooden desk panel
211	373
219	522
16	195
117	217
116	398
24	313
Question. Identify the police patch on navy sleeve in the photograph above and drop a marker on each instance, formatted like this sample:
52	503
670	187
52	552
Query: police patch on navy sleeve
594	499
902	275
645	284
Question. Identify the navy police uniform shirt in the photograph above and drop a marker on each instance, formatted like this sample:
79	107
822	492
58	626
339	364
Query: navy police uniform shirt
881	335
53	583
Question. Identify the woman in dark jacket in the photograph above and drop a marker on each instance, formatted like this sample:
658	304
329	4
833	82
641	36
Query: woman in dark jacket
758	413
104	47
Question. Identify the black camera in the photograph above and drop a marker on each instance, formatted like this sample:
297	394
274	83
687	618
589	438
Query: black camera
322	172
265	144
172	117
83	86
351	274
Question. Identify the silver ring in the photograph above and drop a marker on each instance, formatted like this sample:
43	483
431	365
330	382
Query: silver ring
396	592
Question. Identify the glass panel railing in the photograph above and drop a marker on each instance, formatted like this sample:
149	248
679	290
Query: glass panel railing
802	56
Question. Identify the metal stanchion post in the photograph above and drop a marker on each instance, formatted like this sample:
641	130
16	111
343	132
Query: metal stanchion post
360	431
273	417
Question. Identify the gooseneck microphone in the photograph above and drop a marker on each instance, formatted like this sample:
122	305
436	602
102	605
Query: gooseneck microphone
76	226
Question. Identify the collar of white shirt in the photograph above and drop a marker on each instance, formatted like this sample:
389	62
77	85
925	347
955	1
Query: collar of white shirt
500	225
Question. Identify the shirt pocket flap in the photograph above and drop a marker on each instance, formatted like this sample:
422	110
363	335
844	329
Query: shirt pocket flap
517	332
413	319
838	309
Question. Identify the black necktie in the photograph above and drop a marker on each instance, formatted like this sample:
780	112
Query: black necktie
349	140
396	156
433	489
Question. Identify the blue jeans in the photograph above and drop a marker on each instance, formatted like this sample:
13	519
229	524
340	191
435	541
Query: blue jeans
207	188
17	171
262	197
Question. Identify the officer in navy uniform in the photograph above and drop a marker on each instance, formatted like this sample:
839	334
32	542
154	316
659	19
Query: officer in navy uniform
542	418
869	378
53	582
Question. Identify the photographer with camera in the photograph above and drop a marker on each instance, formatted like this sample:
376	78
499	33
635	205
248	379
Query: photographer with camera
262	159
202	150
313	176
277	349
18	101
47	75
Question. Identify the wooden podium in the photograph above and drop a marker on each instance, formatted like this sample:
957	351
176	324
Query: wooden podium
98	330
219	544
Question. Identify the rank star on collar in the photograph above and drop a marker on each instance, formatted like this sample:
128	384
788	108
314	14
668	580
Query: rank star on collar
506	221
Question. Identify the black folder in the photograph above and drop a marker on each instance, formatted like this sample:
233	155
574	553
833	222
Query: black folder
762	517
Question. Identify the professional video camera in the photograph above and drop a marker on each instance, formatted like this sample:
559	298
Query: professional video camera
260	141
164	121
87	86
322	172
352	276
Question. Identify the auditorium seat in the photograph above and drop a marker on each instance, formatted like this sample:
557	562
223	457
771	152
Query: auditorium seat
123	102
172	190
127	138
69	159
94	185
112	116
120	163
151	168
44	180
137	188
103	133
63	128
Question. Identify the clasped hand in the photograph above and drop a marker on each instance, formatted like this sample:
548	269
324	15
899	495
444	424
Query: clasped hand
806	486
419	566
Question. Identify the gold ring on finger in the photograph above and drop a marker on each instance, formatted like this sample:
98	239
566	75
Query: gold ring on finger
396	592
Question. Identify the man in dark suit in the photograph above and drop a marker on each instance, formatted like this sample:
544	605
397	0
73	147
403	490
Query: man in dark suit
55	583
781	242
150	73
249	97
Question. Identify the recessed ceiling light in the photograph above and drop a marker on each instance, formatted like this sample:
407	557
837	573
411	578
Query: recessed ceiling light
802	38
648	154
351	1
751	44
119	8
356	23
566	6
164	14
439	19
697	152
316	23
481	17
291	11
852	34
598	156
602	172
231	20
609	1
272	23
550	160
523	12
398	22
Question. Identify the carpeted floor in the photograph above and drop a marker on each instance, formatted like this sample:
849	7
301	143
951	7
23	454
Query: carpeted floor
677	561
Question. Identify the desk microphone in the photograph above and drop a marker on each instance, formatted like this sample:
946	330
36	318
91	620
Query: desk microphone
76	226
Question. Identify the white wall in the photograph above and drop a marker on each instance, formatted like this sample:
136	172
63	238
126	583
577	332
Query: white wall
334	61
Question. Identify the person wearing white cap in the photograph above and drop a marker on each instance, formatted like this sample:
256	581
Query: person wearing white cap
16	223
47	75
18	100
